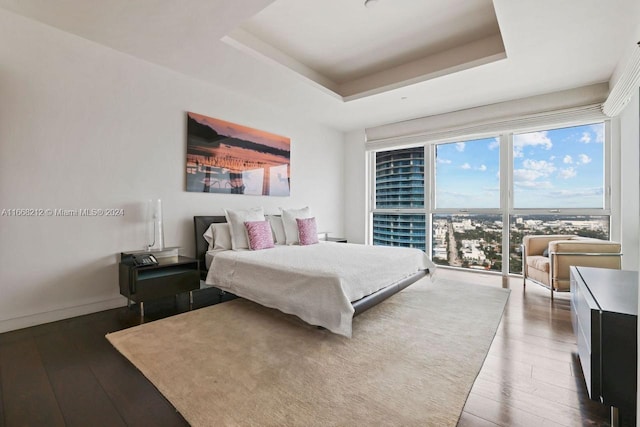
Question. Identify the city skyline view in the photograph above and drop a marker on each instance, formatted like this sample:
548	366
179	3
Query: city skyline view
474	241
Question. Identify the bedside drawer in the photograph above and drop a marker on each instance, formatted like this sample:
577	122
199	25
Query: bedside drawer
171	276
165	283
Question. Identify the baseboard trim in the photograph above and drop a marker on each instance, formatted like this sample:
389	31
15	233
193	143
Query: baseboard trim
61	314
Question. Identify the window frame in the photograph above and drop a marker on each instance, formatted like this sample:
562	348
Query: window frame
607	159
506	209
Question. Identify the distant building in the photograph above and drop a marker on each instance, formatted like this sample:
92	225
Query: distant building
462	226
471	251
440	252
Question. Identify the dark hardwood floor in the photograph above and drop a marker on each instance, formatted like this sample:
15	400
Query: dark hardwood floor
67	373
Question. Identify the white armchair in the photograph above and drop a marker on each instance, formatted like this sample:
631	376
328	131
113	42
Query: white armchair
546	259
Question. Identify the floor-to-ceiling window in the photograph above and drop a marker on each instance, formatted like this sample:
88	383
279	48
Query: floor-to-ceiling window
466	204
560	185
470	201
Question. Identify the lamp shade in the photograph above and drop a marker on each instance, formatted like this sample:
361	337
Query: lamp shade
155	226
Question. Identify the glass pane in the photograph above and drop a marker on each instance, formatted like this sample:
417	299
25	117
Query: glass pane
406	230
468	174
559	168
468	241
400	178
523	225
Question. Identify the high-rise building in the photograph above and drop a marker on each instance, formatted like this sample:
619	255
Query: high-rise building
400	178
400	185
399	230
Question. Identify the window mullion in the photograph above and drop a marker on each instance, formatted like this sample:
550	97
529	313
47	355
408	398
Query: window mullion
506	192
429	191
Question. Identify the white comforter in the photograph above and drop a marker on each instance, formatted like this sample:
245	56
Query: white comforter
316	283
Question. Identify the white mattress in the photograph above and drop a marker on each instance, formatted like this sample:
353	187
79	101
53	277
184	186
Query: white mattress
316	283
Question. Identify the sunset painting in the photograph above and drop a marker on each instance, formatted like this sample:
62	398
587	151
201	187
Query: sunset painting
224	157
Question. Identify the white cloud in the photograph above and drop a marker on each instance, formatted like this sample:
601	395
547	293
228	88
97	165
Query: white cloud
552	158
567	173
544	167
534	139
526	175
444	161
598	130
494	144
586	137
460	146
531	171
481	168
567	159
584	159
465	166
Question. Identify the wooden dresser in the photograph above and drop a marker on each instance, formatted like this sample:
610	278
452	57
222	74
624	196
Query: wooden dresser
604	313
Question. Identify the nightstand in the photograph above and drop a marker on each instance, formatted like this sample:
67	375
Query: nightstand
173	275
336	239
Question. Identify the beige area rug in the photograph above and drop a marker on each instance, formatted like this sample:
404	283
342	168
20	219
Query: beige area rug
411	362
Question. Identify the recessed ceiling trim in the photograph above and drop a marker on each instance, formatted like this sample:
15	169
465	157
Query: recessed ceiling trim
476	53
248	43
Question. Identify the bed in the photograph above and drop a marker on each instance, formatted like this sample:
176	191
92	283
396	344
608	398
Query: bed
312	282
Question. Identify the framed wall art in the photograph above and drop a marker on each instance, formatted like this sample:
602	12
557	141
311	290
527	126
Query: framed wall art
224	157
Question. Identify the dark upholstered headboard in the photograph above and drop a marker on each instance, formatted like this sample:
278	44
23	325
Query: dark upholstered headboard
200	225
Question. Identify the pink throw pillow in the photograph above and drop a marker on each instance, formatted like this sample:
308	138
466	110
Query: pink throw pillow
307	231
259	235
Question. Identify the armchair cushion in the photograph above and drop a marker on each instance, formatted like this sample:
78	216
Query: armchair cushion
538	262
584	245
535	245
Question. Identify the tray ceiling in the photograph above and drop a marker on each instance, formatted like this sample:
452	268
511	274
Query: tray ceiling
353	51
551	45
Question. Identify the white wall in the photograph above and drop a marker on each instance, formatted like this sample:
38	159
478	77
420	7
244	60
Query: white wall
84	126
630	181
355	188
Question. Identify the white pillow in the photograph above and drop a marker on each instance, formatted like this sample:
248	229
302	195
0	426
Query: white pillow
218	236
208	236
290	225
278	229
236	220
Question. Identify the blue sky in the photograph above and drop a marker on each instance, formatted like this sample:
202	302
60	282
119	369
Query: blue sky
560	168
